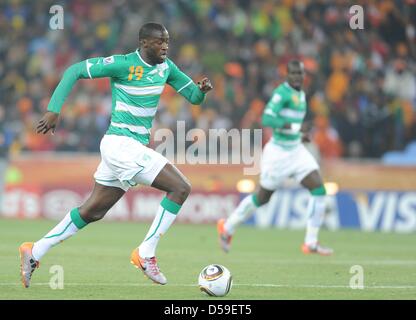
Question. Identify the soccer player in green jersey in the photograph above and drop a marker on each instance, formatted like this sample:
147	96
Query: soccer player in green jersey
284	156
137	81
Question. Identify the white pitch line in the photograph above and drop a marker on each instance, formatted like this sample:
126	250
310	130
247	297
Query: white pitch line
328	260
323	286
377	262
270	285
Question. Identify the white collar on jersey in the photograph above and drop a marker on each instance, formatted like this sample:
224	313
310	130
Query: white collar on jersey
160	67
140	57
289	86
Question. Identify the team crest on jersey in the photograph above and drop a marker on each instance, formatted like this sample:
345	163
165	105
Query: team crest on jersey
108	60
276	98
160	69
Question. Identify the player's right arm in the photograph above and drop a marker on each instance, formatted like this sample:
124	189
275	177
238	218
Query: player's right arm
99	67
271	117
88	69
184	85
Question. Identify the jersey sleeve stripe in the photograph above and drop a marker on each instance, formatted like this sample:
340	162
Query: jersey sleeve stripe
190	81
88	64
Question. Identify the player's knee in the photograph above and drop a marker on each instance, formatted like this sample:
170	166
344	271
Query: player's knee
97	215
263	200
184	189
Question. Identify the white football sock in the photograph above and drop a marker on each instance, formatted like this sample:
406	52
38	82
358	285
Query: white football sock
165	216
316	211
243	211
68	226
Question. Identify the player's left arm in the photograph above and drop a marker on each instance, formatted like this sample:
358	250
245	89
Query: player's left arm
271	116
185	86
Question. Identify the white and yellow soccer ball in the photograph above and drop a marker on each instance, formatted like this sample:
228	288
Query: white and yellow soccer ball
215	280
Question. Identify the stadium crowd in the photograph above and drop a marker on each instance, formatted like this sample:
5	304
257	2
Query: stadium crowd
360	84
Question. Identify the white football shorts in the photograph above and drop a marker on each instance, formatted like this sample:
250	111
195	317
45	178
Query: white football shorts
125	163
278	164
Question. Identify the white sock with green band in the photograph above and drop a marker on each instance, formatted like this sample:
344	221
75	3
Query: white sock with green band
243	211
68	226
165	216
316	211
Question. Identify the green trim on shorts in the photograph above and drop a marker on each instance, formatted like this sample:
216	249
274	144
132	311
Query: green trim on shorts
140	171
170	206
106	180
76	219
320	191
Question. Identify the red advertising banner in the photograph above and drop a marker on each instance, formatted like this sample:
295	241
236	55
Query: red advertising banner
48	186
138	204
69	170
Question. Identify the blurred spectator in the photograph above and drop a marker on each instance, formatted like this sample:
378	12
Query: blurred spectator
326	138
400	81
6	137
360	84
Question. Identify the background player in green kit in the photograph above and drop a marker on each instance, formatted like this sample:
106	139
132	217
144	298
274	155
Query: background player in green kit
137	81
284	156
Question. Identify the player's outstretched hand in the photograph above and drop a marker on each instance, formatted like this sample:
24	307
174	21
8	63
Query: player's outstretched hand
205	85
48	122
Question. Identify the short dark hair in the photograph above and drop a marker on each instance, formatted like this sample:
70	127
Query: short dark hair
147	30
294	63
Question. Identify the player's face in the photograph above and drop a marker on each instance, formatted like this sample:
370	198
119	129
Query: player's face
295	76
157	47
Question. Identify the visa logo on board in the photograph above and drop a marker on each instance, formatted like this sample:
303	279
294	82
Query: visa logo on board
387	211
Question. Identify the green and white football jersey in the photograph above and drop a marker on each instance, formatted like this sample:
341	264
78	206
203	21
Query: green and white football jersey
136	87
287	105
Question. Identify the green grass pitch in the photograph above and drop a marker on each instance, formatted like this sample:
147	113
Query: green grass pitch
265	264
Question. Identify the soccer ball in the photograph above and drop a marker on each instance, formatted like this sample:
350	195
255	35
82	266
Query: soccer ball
215	280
